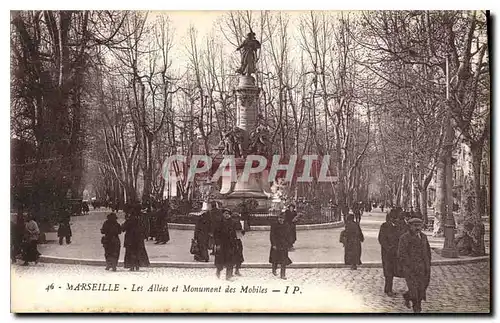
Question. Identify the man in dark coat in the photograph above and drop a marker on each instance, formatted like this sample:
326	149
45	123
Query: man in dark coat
240	232
85	208
352	237
403	225
215	220
388	238
357	212
201	235
225	245
278	255
290	219
111	241
153	222
414	255
64	230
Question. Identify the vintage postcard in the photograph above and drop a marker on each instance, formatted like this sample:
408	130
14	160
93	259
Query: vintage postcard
250	161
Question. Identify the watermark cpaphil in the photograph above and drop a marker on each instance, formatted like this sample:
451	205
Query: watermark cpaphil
307	168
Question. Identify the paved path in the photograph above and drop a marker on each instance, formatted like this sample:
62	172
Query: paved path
452	289
311	245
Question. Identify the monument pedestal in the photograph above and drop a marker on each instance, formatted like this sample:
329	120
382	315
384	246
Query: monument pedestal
257	186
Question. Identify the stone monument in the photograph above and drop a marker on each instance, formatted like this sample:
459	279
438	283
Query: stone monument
250	136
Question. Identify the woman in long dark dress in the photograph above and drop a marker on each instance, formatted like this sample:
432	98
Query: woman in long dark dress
135	251
111	241
163	235
352	237
201	235
278	255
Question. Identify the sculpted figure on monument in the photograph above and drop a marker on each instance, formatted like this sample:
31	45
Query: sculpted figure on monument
239	138
232	142
248	50
260	138
228	143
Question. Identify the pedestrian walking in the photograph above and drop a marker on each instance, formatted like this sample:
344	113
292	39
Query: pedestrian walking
278	255
85	208
64	230
163	215
144	223
357	212
201	236
111	230
135	251
352	237
388	238
290	219
414	254
225	245
215	220
153	222
31	236
240	232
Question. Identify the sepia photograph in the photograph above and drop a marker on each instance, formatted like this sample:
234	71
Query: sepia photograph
250	161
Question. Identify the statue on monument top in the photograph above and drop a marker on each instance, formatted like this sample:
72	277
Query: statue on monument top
248	50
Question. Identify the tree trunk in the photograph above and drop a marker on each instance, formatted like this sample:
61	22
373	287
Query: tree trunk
478	230
423	202
415	196
147	169
397	189
477	157
440	203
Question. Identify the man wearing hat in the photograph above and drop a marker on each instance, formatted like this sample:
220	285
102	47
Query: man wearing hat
240	232
215	215
291	219
414	254
388	238
278	254
111	241
225	245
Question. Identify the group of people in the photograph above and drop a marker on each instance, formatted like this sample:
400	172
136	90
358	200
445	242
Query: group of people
138	229
356	209
24	234
405	250
221	231
155	223
406	253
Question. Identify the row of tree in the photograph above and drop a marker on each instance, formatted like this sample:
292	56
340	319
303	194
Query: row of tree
368	88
